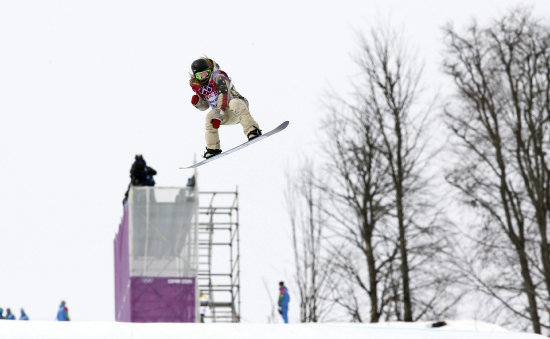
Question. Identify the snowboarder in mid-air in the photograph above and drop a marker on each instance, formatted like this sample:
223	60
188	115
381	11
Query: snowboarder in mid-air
213	89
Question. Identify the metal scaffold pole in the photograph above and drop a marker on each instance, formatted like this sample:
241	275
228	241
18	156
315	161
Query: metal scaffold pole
219	257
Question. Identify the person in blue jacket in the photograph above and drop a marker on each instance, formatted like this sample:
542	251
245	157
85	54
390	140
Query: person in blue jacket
284	299
23	315
9	315
63	312
1	313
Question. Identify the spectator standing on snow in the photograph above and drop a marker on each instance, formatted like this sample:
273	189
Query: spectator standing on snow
1	313
9	315
284	299
23	315
63	312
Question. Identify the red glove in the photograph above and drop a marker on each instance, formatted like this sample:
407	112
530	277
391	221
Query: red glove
217	118
195	99
216	123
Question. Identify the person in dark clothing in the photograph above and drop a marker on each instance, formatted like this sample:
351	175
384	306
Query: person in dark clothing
140	175
191	181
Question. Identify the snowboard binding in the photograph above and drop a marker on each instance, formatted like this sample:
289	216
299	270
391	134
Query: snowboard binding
211	152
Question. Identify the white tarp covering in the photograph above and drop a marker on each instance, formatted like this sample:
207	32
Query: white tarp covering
162	231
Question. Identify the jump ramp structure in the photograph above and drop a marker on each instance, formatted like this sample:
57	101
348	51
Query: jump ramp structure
177	256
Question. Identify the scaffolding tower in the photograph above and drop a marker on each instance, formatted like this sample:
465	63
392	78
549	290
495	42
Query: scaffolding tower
218	258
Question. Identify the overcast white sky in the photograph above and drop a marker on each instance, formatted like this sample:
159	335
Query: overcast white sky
85	85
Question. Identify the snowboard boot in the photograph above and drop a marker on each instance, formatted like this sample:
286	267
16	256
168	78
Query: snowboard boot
211	152
256	132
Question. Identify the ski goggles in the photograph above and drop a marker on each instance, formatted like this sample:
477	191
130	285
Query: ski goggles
203	74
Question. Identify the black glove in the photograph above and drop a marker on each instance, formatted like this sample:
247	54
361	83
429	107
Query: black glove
280	311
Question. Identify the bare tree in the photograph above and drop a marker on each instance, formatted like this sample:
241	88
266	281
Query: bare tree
501	120
392	98
377	160
359	189
305	203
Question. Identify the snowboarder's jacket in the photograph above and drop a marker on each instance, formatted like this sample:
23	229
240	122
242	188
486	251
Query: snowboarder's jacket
217	92
284	297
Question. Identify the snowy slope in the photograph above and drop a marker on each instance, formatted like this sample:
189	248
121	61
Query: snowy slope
85	330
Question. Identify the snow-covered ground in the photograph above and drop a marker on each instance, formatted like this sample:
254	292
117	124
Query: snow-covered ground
420	330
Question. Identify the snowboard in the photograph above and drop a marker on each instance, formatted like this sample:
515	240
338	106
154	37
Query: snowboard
241	146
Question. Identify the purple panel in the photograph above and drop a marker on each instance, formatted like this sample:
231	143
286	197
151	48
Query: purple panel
163	299
122	271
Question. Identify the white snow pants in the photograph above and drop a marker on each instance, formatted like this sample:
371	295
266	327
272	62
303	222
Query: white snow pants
236	112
